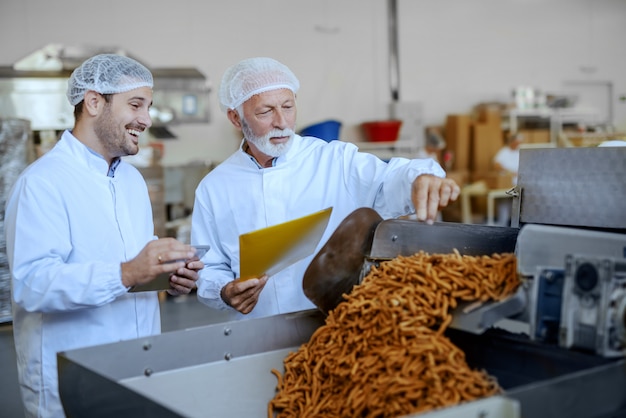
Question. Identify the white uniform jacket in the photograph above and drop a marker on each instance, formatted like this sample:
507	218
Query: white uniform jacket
68	227
238	197
509	160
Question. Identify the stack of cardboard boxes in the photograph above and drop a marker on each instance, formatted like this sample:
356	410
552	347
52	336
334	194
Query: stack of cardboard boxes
487	137
472	142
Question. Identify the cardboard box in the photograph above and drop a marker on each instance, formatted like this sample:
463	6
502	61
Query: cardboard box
541	136
489	114
452	212
535	136
457	135
461	177
487	139
494	179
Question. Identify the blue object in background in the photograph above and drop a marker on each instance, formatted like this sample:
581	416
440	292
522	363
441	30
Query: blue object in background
327	130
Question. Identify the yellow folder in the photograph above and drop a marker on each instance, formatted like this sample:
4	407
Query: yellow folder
269	250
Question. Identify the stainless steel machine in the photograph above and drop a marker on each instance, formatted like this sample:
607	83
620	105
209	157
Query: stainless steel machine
34	89
568	232
15	135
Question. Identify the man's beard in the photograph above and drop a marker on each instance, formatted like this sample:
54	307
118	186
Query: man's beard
111	137
264	144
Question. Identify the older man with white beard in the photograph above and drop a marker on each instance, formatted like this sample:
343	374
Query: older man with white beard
277	176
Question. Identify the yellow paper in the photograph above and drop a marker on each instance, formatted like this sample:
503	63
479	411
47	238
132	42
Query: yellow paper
271	249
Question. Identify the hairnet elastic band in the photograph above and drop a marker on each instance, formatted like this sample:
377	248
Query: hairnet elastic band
124	90
261	90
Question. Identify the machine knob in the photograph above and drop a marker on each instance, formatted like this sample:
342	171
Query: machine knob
586	277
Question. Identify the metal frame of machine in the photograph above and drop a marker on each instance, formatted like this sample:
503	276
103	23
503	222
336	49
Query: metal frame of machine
224	370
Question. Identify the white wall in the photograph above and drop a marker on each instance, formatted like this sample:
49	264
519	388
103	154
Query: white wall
458	53
453	53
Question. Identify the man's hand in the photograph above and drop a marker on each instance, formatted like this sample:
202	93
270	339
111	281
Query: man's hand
165	255
431	193
183	281
243	295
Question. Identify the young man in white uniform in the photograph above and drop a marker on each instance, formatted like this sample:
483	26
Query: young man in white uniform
277	176
80	233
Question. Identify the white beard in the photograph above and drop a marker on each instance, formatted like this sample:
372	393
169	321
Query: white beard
264	144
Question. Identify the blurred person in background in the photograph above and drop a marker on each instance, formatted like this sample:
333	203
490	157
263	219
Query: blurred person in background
276	176
613	143
434	144
80	233
506	161
507	158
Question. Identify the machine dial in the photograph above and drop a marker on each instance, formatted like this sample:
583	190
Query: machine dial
586	277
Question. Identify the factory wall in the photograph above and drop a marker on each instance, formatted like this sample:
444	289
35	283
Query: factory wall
453	54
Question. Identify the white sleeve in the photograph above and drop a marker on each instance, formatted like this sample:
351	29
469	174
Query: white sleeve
38	247
386	186
217	270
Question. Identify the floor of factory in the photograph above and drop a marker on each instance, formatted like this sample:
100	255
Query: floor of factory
176	313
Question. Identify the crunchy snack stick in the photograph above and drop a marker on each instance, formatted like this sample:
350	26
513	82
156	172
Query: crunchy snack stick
382	352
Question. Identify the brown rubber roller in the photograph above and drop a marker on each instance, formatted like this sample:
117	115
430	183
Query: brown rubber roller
337	267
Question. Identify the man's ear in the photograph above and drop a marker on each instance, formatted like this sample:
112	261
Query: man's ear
93	102
234	118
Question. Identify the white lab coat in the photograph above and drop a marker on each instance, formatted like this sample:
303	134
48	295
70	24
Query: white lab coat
68	227
238	197
509	160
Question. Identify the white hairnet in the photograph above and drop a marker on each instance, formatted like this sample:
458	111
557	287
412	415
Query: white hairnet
253	76
107	74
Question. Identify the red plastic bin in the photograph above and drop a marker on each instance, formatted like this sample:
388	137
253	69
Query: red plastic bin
382	130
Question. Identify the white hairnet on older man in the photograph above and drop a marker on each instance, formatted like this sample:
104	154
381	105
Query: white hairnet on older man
253	76
107	74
